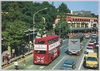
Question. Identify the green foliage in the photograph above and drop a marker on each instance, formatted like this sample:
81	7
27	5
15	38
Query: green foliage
62	27
63	8
49	15
13	33
93	15
18	17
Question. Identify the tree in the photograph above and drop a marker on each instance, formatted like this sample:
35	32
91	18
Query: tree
93	15
63	8
49	14
14	34
62	27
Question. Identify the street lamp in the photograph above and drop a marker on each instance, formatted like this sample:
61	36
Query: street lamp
34	20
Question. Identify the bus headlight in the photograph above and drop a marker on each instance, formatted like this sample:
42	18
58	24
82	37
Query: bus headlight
42	57
42	61
38	57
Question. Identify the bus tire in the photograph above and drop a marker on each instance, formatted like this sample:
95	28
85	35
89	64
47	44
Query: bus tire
58	54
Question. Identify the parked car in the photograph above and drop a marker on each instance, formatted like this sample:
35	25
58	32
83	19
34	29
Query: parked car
68	65
93	39
91	42
90	49
91	60
94	35
91	45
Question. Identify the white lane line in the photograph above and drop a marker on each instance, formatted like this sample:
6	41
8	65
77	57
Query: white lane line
81	62
58	63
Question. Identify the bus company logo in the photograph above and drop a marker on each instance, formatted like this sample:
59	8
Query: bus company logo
73	42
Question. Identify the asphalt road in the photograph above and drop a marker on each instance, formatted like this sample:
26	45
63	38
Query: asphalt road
55	64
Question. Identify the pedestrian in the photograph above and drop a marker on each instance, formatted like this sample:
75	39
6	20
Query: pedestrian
3	59
7	60
12	55
23	58
16	65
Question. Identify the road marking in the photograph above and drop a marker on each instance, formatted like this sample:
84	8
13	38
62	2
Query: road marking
83	57
30	66
58	63
81	62
42	67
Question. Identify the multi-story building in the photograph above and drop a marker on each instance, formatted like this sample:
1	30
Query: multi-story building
83	23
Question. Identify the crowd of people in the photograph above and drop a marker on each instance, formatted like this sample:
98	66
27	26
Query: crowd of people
7	58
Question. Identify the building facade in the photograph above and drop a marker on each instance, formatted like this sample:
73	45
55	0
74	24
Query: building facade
82	21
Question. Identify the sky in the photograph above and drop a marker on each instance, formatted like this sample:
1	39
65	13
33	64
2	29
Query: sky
78	5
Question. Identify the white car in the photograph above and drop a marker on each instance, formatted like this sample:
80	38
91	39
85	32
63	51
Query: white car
91	42
90	49
87	36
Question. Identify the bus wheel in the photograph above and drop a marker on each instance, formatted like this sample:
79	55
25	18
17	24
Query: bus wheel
58	53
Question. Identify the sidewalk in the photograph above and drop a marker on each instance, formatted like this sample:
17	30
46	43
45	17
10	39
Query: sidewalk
4	64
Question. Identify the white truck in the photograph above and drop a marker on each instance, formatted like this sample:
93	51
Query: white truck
75	45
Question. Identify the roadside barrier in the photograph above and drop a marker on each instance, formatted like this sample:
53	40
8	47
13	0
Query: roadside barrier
15	59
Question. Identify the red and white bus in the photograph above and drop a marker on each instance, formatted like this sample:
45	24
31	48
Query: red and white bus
46	49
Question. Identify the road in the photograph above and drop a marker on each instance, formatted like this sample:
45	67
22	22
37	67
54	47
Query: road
57	63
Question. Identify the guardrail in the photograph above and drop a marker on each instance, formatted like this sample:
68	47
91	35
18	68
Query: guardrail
16	58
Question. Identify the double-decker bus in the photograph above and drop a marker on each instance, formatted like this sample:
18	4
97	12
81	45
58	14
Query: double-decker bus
46	49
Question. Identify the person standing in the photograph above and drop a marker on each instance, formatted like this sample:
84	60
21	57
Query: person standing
16	65
23	59
9	59
3	59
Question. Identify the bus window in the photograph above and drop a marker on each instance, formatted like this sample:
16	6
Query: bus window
40	42
52	40
41	52
51	52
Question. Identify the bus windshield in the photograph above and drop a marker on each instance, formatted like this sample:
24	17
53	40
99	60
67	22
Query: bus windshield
41	52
